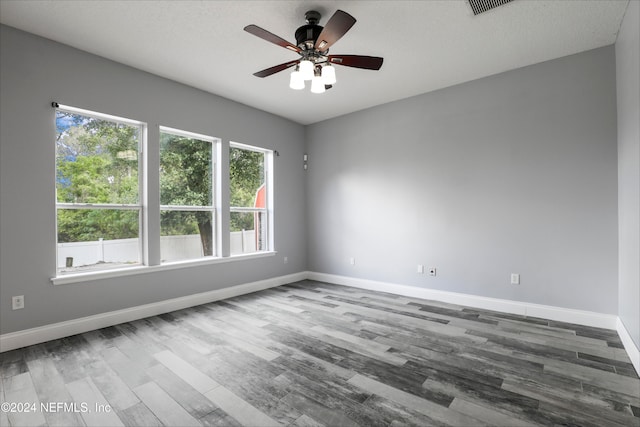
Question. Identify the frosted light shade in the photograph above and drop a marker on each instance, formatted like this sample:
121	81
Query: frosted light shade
296	82
317	85
306	69
329	75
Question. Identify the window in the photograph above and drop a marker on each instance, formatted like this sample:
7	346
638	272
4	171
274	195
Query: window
250	188
187	190
108	213
98	205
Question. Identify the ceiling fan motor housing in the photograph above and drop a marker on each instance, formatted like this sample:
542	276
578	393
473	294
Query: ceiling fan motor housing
307	35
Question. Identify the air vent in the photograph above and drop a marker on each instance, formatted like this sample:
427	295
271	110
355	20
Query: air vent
480	6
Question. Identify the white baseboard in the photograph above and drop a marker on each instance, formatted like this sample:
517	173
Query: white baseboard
632	350
580	317
67	328
587	318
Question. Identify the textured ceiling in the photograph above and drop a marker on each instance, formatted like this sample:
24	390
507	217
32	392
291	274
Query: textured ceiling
426	45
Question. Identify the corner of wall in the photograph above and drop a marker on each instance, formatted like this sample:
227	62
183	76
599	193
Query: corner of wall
627	49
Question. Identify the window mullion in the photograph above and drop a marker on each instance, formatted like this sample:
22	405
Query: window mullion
223	200
151	184
97	206
186	208
247	209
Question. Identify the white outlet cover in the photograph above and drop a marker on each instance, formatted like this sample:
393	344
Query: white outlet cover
420	269
515	279
17	302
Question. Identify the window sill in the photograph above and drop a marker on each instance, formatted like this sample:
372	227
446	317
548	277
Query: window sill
143	269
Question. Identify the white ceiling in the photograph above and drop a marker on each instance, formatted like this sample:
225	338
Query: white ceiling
426	45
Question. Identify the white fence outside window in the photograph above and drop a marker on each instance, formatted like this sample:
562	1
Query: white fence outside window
173	248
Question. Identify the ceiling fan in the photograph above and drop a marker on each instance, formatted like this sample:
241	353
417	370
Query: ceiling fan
313	43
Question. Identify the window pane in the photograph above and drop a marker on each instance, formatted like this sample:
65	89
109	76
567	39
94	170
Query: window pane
248	232
246	173
96	160
186	235
97	239
186	171
186	179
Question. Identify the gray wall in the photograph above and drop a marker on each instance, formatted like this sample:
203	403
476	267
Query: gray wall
516	172
628	82
36	71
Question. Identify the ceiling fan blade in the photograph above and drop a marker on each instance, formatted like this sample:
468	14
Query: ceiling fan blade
275	69
336	27
270	37
357	61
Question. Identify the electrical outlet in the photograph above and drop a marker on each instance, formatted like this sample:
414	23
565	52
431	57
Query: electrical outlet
352	261
515	279
286	260
17	302
432	271
420	269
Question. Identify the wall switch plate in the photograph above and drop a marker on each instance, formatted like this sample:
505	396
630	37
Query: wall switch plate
432	271
17	302
286	260
515	279
420	269
352	261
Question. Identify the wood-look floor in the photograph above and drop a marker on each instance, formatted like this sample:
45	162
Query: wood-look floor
312	354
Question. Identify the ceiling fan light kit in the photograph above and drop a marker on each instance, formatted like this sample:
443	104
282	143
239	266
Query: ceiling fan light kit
313	43
317	85
307	69
297	81
329	74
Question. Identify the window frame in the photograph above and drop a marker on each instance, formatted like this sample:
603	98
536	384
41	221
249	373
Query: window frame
149	207
268	209
214	209
141	172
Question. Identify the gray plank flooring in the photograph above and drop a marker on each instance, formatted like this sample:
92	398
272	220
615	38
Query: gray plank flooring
315	354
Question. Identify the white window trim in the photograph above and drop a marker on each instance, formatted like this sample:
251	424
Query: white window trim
214	209
268	172
140	206
101	116
143	206
147	269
